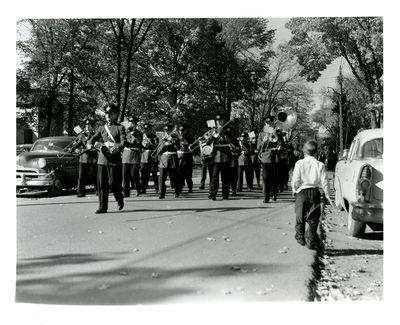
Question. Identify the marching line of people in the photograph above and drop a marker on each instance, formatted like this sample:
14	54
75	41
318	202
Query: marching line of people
127	157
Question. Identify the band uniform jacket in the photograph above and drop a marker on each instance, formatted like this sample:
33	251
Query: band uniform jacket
149	143
268	150
132	152
101	136
88	157
168	157
254	153
186	158
245	155
222	154
235	151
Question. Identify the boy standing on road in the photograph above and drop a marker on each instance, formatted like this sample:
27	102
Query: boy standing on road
308	176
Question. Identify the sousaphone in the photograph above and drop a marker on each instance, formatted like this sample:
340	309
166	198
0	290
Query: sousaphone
286	118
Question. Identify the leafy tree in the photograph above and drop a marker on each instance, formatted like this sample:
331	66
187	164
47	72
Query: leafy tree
318	41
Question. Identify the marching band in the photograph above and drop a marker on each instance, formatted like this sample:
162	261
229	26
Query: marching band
127	158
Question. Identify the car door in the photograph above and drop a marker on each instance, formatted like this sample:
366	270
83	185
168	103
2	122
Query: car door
70	167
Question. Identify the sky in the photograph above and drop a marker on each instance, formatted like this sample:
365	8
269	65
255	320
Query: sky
328	76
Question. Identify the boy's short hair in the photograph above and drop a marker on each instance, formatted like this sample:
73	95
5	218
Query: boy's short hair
310	148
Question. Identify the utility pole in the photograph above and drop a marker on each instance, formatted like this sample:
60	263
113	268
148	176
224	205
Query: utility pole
340	82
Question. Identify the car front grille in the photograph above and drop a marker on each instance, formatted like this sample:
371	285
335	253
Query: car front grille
28	171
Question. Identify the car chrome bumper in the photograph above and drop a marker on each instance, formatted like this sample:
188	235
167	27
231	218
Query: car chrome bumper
34	180
367	212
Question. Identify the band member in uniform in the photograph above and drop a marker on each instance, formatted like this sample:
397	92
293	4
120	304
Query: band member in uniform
268	151
255	160
87	159
234	165
222	157
206	163
284	162
149	163
112	137
245	164
131	158
168	161
185	158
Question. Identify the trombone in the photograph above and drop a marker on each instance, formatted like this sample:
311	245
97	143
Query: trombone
213	132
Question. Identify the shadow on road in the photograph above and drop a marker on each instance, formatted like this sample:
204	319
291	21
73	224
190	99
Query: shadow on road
117	285
194	209
353	252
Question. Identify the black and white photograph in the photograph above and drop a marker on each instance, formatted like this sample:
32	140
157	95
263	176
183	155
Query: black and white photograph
193	163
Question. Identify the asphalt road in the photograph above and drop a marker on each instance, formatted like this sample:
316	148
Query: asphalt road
187	249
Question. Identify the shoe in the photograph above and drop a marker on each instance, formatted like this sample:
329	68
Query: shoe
201	187
176	195
190	190
161	197
302	242
233	192
316	246
99	211
157	190
212	197
265	201
81	195
274	198
240	190
121	205
225	197
138	193
143	192
300	239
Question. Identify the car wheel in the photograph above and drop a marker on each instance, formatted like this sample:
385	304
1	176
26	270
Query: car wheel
355	228
58	185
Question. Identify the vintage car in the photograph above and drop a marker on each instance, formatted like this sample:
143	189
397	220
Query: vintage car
23	147
49	165
359	182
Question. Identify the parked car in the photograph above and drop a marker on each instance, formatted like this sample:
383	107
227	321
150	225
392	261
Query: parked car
359	182
23	147
48	166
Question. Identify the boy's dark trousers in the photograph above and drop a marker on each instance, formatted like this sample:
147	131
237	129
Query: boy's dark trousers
308	210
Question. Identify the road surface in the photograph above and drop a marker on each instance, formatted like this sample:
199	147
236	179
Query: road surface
187	249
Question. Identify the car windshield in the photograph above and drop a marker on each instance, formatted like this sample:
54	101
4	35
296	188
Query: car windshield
373	148
51	145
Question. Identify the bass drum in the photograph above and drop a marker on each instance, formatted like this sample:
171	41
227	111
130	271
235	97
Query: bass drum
207	151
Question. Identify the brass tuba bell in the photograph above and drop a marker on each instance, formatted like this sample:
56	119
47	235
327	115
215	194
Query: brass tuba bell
286	118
